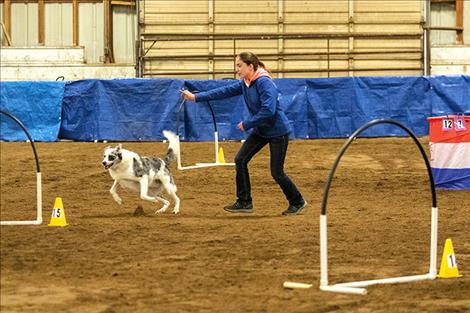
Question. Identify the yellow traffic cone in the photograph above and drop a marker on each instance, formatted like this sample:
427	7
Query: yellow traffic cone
58	214
220	157
448	264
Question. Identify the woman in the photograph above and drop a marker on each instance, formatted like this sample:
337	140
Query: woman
269	124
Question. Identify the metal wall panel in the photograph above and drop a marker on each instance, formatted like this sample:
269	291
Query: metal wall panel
24	24
124	34
58	24
442	14
90	32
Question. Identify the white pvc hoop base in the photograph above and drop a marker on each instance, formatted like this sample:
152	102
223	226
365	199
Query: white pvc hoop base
202	165
356	287
38	220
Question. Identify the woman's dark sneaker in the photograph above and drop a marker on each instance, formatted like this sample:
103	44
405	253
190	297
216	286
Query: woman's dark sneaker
239	207
295	209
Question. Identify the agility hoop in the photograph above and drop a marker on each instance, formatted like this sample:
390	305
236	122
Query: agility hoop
216	145
38	220
357	287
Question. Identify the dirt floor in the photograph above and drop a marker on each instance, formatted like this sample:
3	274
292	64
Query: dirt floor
207	260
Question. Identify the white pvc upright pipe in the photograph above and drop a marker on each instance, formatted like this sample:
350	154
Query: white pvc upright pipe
433	249
179	153
323	252
39	198
216	139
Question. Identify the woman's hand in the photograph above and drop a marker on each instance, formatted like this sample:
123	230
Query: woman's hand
240	126
187	95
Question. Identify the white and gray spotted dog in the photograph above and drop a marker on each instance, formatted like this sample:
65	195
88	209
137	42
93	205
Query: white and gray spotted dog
147	175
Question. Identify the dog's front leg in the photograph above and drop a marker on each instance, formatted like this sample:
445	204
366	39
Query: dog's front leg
114	193
144	188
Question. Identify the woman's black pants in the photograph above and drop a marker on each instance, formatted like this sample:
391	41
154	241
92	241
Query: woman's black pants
278	149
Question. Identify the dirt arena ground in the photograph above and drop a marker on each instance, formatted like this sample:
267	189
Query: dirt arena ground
206	260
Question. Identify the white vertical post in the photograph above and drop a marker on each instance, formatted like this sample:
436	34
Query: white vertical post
323	252
39	198
179	153
216	139
433	249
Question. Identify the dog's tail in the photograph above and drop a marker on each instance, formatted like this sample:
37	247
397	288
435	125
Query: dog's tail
173	147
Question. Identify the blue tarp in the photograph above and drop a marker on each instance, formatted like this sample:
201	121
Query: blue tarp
36	104
449	95
120	109
139	109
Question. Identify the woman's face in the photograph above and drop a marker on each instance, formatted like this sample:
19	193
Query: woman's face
244	70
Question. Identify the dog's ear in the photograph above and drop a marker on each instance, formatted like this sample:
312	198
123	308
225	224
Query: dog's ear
108	147
119	147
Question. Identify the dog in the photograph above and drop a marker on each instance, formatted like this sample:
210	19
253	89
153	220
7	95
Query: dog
147	175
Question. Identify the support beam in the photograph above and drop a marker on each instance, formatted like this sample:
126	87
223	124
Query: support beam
138	42
75	23
108	32
41	25
7	20
459	20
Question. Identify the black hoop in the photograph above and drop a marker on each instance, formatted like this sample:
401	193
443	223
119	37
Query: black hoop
353	137
182	103
27	134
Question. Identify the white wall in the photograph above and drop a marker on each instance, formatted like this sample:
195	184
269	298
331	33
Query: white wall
59	28
450	60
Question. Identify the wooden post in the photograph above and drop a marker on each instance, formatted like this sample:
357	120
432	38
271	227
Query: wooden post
75	23
108	32
7	18
41	39
459	20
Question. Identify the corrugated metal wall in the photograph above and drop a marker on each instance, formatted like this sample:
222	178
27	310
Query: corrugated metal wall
245	17
343	56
